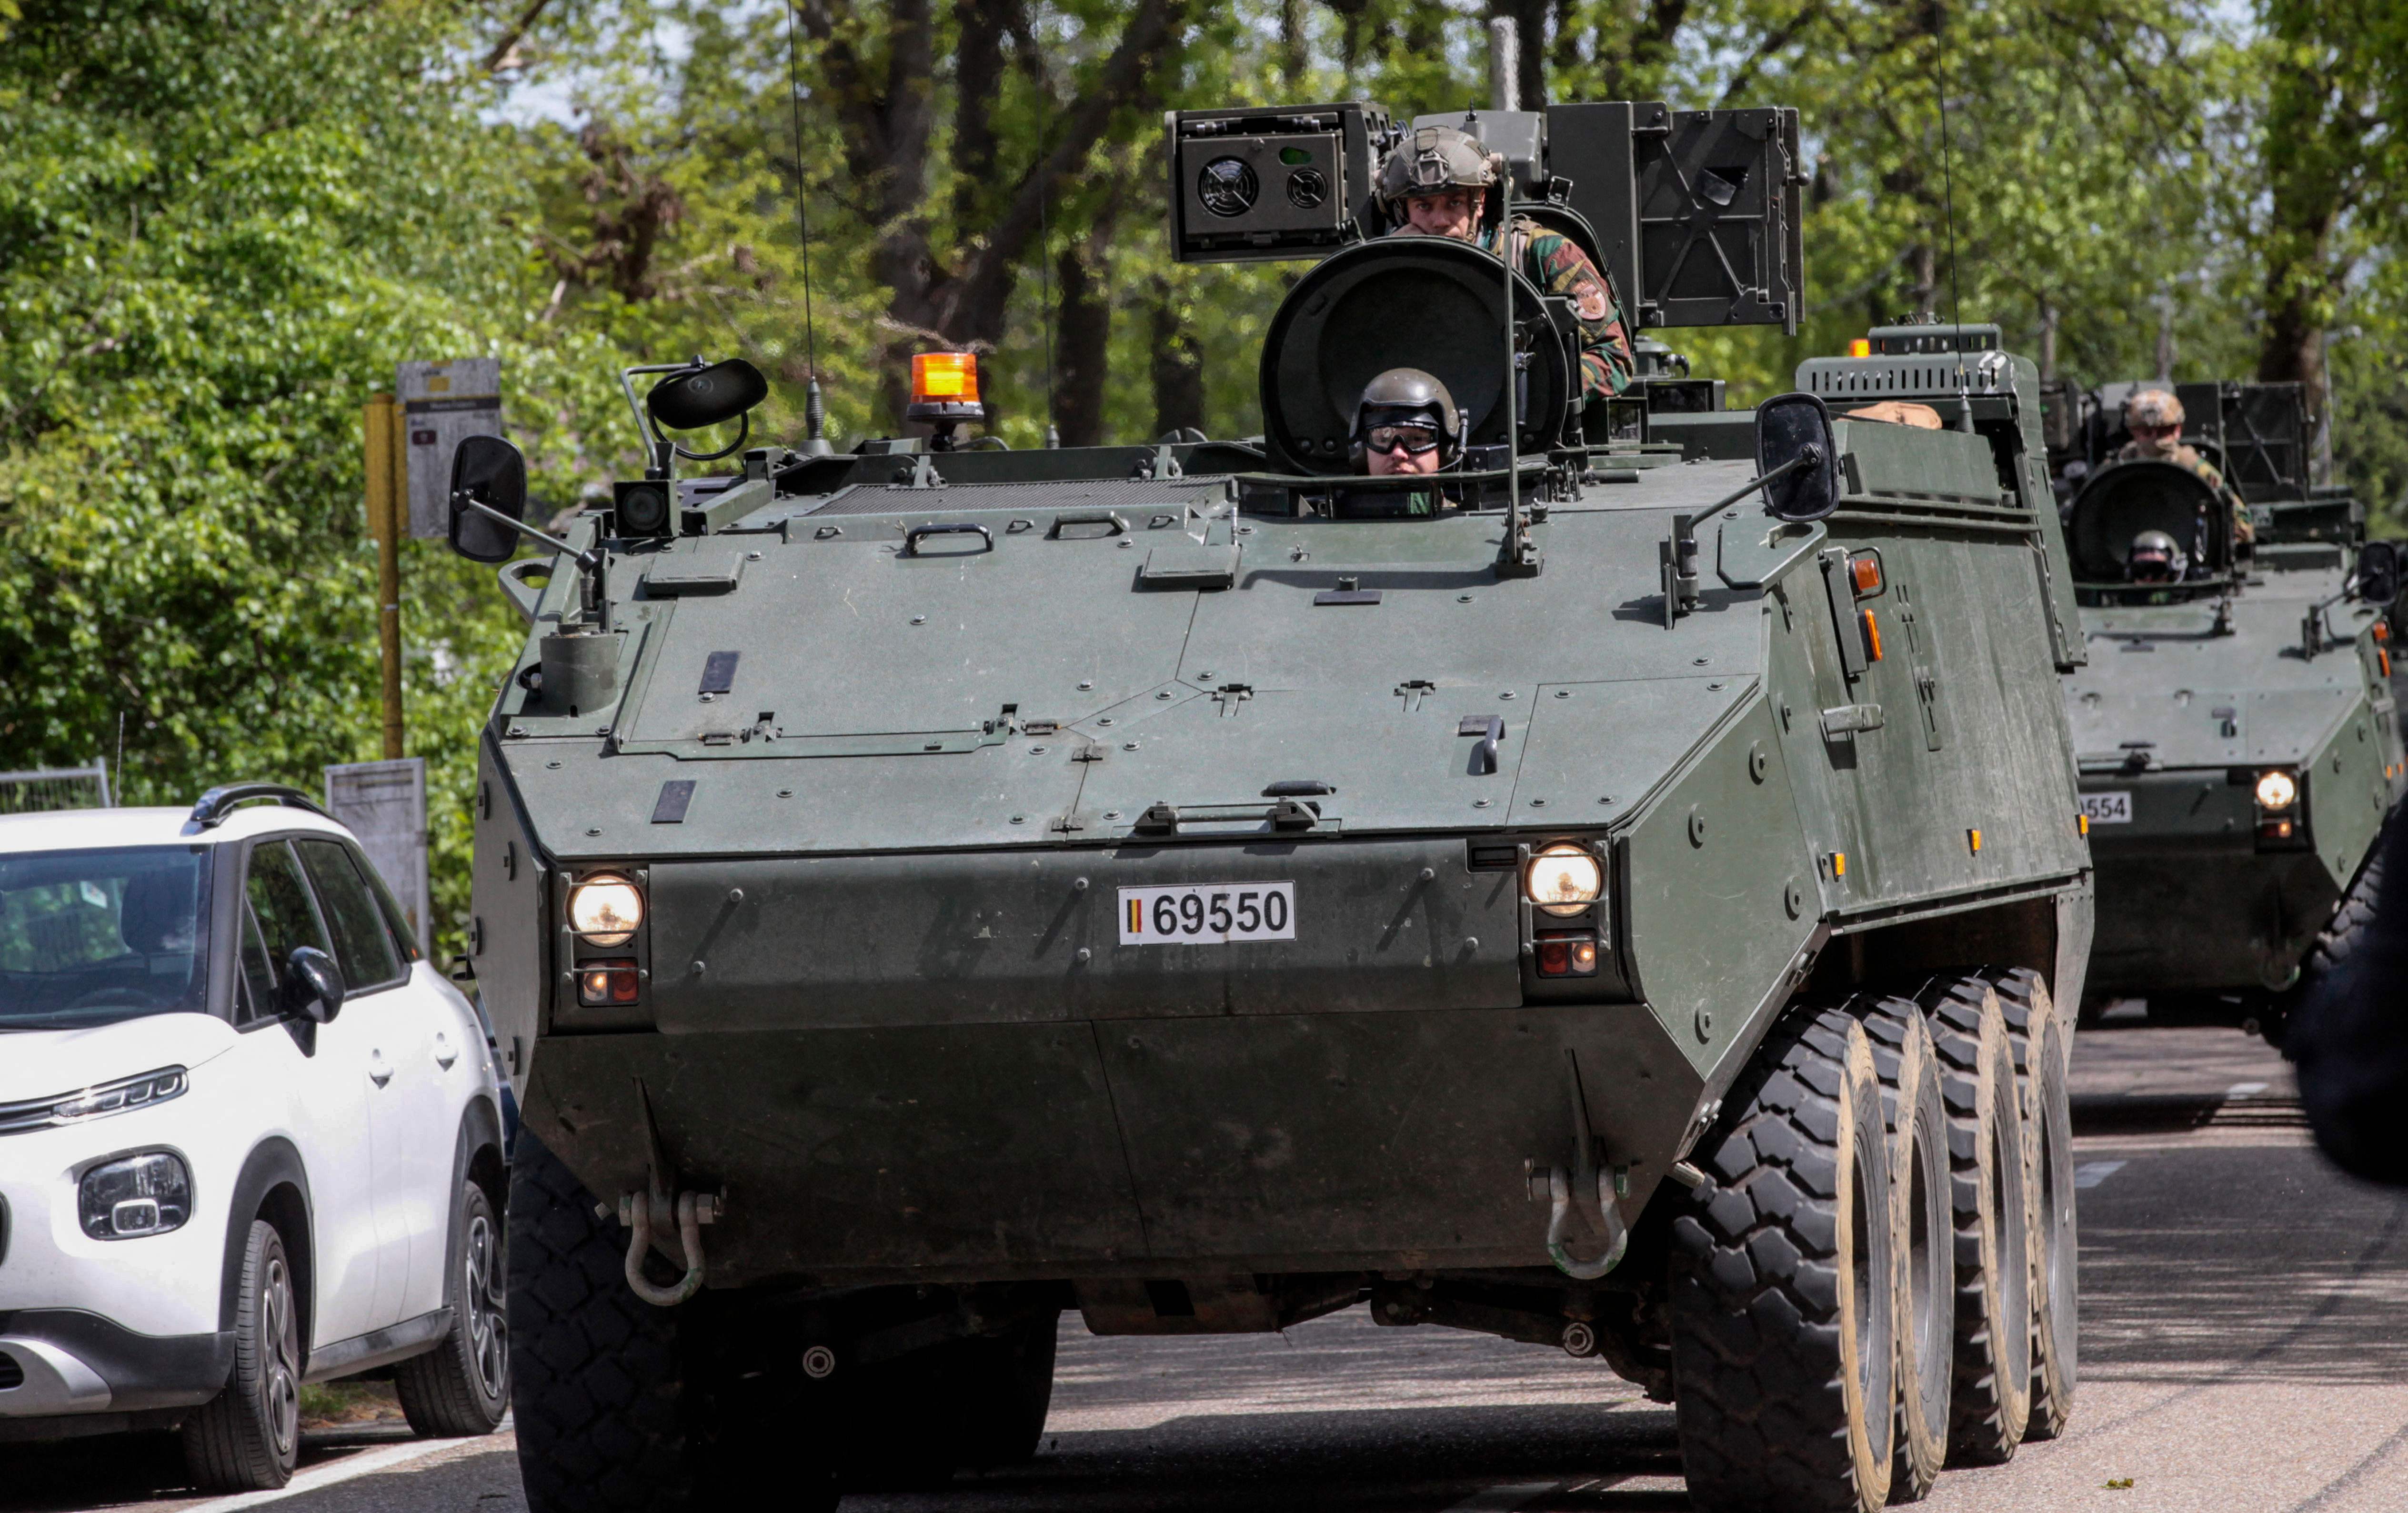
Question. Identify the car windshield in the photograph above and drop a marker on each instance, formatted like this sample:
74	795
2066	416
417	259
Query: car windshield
88	937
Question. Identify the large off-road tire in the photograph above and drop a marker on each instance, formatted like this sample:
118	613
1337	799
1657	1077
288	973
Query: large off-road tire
1923	1256
248	1437
2044	1049
462	1387
623	1407
2346	1029
1782	1298
1991	1399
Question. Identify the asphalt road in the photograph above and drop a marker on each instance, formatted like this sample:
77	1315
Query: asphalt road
2244	1348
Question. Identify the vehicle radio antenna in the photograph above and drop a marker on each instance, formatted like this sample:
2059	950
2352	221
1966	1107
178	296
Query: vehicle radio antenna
1948	204
815	406
1045	255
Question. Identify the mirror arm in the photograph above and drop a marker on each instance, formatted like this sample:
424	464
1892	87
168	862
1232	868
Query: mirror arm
592	563
1809	457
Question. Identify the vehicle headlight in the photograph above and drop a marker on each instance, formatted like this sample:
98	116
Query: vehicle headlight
1565	878
2276	789
122	1096
139	1195
606	910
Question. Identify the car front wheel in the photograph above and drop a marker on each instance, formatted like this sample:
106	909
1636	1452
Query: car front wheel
462	1387
248	1437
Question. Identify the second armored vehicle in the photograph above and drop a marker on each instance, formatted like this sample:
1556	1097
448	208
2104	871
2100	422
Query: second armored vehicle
2239	743
1618	902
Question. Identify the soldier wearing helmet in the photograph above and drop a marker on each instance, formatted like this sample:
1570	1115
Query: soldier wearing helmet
1441	182
2154	559
1405	424
2154	417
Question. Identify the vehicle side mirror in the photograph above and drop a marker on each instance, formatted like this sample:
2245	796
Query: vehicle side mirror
2378	573
707	396
314	987
490	471
1793	438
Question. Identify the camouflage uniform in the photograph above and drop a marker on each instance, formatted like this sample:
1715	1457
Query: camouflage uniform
1556	265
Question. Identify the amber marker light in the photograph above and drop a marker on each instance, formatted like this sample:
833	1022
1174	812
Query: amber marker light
1973	838
950	378
1861	346
1873	636
2081	824
1866	573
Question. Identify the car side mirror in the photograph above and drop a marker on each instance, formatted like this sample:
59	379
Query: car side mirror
705	396
2379	574
314	988
491	472
1798	458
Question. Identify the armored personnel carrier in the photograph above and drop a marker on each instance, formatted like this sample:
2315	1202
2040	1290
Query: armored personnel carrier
1621	907
2239	742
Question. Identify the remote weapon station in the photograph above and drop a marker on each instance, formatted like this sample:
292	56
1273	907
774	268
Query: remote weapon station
2235	725
1619	900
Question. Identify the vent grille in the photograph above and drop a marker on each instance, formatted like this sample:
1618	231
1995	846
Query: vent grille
1490	855
1929	377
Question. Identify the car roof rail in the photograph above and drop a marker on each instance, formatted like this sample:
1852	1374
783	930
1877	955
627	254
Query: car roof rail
219	802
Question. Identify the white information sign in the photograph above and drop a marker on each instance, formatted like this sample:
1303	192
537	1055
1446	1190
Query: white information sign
2111	808
442	404
385	805
1213	914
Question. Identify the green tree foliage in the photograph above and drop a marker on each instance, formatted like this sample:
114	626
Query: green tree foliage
223	221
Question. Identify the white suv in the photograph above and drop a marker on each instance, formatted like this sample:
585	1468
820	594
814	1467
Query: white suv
249	1137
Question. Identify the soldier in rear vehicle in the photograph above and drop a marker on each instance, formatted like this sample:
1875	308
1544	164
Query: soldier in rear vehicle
1441	182
2154	418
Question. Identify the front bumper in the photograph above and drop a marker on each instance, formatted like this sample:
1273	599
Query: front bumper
63	1361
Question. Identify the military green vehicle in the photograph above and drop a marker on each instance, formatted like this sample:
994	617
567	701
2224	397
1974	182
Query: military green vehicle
1621	905
2239	741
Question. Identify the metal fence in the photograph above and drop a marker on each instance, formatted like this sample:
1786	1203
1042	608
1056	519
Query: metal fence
54	788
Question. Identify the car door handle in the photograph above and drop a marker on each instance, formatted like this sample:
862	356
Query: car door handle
444	1053
379	1070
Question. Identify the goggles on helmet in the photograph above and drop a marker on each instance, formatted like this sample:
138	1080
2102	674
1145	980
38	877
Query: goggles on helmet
1415	439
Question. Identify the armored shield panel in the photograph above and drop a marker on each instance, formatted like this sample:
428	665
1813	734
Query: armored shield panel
1270	182
1697	210
1419	302
2123	501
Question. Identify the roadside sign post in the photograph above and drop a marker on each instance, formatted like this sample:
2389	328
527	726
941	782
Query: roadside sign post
384	804
382	427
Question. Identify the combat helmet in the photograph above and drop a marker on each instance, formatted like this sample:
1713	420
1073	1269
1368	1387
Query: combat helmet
2153	406
2155	554
1434	158
1406	396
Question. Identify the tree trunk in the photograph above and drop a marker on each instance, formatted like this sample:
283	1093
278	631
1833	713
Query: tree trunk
1083	343
1178	363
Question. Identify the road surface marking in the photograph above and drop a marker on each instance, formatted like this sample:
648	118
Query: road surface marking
2244	1090
1502	1498
2090	1173
363	1464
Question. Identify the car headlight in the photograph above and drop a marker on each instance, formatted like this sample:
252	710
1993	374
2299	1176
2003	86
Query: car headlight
122	1096
606	910
137	1197
1565	878
2276	789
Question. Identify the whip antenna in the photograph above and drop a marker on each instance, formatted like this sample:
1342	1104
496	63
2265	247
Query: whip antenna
1045	260
815	406
1948	203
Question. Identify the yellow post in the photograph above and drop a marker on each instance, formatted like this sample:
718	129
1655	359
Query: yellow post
385	507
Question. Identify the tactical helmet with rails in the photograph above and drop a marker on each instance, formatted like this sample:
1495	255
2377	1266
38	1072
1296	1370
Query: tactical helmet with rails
1406	396
1432	159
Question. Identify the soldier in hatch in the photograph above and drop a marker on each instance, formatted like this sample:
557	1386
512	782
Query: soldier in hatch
2154	417
1406	423
1441	182
2154	559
